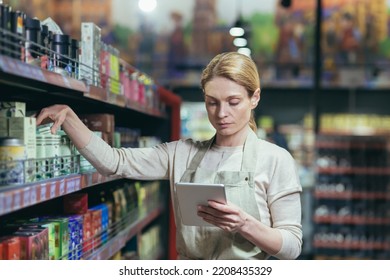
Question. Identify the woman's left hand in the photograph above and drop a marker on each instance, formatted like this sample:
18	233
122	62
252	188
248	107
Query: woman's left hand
230	217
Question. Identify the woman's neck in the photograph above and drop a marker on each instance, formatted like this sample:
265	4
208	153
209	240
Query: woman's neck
237	139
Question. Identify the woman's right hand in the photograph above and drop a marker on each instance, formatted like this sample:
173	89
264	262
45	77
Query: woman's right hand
63	116
56	114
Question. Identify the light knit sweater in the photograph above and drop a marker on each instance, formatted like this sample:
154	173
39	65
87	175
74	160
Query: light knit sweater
277	184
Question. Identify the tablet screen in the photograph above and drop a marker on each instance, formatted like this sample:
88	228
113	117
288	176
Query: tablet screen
190	195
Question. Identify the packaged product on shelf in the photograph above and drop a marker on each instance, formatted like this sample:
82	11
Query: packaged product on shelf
61	237
96	227
90	53
74	53
87	234
104	221
11	247
12	159
114	70
31	225
60	45
33	243
45	47
105	123
104	65
76	203
24	128
117	209
17	29
12	109
75	231
5	16
32	36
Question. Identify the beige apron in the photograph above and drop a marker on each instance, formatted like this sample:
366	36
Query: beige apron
195	242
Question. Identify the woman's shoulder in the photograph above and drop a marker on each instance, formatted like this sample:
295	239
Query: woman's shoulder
266	147
187	143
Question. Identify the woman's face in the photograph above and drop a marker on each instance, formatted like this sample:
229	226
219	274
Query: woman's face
229	109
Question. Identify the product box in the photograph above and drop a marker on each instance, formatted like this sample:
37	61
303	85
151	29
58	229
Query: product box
61	236
10	247
90	53
75	230
104	123
104	221
33	243
12	109
87	233
24	128
3	126
99	122
76	203
96	227
31	225
114	71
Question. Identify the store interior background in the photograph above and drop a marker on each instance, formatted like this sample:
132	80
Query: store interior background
325	79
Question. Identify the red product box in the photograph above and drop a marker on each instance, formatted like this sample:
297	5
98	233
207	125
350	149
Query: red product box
34	244
96	222
87	233
11	248
76	203
99	122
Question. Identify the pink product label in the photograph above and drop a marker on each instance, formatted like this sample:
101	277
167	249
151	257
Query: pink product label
141	94
133	90
125	81
104	68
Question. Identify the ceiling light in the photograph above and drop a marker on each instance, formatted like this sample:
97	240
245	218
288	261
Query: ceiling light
237	31
240	42
245	51
147	6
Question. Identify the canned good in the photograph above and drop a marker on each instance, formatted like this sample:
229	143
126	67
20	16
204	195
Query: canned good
12	159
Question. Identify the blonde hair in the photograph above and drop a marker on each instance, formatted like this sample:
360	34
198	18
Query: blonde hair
238	68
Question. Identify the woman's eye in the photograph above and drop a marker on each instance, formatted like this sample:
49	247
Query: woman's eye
234	103
211	103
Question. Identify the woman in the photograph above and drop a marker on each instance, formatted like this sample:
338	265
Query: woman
263	215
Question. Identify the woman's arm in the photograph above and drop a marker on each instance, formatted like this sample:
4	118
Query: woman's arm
63	115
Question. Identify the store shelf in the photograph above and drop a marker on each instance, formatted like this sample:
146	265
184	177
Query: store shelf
346	195
354	170
13	198
17	74
351	220
114	244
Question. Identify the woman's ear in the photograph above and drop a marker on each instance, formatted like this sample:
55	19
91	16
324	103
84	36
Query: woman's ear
255	98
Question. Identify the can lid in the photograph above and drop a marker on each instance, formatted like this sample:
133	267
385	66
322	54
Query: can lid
32	23
61	39
9	141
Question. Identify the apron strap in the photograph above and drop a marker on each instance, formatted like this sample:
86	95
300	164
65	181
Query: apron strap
200	154
249	157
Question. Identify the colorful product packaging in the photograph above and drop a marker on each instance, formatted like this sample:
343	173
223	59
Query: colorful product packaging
76	203
33	243
11	247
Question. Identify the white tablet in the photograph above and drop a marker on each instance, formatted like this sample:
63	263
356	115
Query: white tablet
190	195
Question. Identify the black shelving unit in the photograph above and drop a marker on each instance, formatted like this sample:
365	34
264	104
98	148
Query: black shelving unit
351	218
38	88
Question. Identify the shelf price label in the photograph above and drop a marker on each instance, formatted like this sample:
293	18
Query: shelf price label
42	193
2	203
8	203
17	200
33	195
70	186
26	197
53	190
62	186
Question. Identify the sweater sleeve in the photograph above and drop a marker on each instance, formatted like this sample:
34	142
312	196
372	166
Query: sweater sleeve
136	163
284	202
